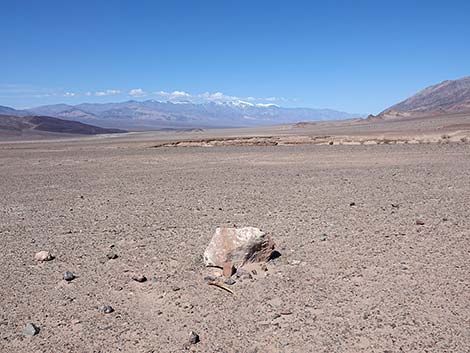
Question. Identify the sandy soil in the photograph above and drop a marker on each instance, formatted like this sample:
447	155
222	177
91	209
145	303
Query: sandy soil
377	282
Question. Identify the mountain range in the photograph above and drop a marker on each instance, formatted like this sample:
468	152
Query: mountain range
152	114
451	96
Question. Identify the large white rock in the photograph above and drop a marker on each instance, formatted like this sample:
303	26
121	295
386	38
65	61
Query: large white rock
238	246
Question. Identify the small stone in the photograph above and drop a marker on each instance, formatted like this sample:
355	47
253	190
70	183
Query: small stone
254	272
111	255
175	288
295	262
264	267
193	337
230	281
243	274
31	330
209	278
107	309
154	280
323	237
188	306
43	256
395	205
69	276
419	222
352	204
139	278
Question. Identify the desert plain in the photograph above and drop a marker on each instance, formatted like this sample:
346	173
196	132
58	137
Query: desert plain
373	232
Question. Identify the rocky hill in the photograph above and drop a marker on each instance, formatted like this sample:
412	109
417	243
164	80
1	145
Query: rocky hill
451	96
20	125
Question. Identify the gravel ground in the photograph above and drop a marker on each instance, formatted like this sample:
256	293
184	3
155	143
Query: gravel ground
351	278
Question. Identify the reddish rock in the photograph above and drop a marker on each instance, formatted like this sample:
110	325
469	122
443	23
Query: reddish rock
228	269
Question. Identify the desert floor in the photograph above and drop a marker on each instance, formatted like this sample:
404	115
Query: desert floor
361	277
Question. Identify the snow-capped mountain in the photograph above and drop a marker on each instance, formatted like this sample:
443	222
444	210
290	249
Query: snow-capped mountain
154	114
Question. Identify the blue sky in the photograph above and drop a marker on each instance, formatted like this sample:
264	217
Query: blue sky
356	56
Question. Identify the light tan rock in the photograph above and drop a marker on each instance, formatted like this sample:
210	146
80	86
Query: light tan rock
43	256
238	246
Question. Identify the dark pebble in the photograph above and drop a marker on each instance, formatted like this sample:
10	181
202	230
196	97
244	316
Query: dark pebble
139	278
69	276
209	278
193	337
230	281
107	309
111	256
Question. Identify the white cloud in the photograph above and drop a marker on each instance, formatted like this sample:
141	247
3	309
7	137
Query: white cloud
137	92
174	95
217	97
267	105
69	94
108	92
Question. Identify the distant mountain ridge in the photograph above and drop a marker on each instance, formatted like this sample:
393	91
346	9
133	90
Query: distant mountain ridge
17	125
451	96
156	114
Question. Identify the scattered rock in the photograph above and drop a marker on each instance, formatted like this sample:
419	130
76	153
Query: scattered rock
238	246
193	337
243	274
323	237
111	255
254	272
107	309
230	281
295	262
419	222
154	280
69	276
31	330
139	278
264	267
43	256
209	278
395	205
352	204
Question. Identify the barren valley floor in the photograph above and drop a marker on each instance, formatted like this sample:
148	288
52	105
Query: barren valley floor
357	274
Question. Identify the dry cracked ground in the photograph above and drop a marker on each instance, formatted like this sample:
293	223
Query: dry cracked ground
357	273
